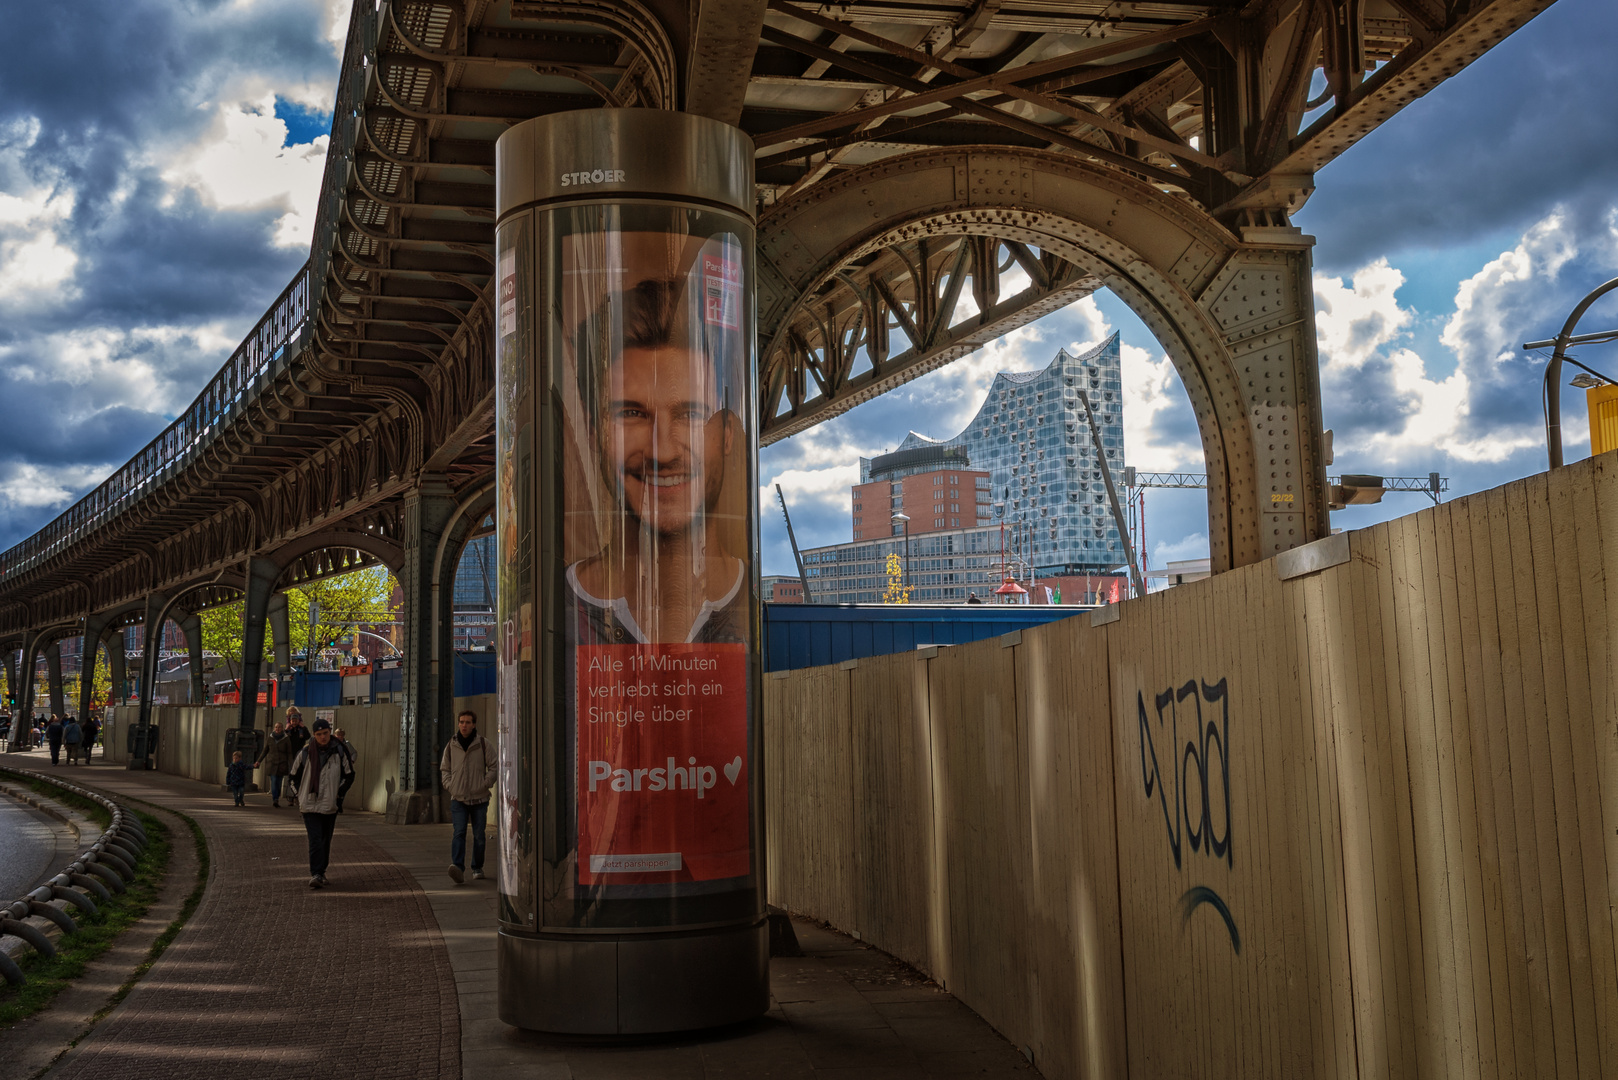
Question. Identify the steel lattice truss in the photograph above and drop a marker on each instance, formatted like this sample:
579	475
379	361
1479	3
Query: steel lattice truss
375	369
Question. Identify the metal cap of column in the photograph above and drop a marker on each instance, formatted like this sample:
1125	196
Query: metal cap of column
589	154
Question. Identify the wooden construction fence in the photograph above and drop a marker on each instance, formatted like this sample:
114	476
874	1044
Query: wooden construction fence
1361	822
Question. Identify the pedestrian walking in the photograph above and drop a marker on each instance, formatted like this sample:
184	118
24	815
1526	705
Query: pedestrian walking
299	738
73	739
321	774
468	769
92	732
53	736
236	777
276	761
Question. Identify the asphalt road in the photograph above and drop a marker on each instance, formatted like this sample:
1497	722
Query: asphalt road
32	848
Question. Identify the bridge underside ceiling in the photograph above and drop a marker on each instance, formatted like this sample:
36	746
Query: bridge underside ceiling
375	368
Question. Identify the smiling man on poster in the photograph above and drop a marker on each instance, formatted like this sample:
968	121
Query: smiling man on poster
659	619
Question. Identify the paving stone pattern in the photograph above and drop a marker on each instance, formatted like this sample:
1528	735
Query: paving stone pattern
390	972
273	979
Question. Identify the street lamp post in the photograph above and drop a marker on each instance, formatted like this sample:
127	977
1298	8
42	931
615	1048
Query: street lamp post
1553	370
902	519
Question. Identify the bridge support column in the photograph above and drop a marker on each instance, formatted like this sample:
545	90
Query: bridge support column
53	676
25	686
89	653
117	647
427	512
191	627
262	575
280	641
13	665
142	743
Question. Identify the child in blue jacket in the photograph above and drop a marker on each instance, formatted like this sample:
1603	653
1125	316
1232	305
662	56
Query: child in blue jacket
236	777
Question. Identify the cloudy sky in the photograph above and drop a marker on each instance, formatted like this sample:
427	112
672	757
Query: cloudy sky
160	162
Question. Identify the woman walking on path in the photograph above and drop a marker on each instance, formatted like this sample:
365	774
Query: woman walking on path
276	761
73	739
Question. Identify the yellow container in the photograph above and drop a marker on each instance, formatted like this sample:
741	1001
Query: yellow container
1603	402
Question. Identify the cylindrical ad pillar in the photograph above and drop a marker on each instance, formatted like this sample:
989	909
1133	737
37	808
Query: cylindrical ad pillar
630	815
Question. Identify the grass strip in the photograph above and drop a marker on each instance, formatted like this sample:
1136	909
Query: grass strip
48	977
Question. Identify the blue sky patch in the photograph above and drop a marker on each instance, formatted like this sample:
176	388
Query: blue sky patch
304	125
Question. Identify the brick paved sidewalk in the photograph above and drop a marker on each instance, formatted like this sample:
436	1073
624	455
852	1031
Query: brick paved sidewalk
240	991
271	978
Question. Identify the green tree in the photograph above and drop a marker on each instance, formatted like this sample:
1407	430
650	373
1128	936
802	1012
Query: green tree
341	603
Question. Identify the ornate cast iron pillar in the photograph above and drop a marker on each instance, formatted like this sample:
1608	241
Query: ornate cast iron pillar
95	627
191	626
280	641
427	511
14	665
53	676
1262	300
142	736
27	661
116	649
262	575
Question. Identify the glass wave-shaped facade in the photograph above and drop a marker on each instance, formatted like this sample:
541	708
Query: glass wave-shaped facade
1033	438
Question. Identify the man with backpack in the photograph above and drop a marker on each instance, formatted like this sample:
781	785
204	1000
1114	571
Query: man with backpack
72	738
53	736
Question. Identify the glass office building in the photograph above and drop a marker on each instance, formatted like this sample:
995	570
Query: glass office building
1032	437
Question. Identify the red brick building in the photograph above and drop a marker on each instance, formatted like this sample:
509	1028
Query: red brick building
937	494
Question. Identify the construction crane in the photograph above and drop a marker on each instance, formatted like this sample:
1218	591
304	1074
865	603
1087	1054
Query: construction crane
1350	489
803	578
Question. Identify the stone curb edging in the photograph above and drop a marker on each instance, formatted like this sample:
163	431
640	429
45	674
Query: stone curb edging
39	918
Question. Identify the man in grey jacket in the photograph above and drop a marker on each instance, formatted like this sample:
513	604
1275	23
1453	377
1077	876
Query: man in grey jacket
321	775
469	768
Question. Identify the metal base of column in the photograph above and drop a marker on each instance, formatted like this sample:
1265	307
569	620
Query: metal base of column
634	984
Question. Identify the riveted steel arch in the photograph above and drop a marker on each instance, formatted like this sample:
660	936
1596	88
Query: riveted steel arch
1234	313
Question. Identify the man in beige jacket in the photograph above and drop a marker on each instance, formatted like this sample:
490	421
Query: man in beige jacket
469	768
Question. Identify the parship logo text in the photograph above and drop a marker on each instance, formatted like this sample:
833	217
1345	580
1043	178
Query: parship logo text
595	176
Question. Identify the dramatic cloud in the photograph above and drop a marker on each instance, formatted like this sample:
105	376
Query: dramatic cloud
1524	128
153	202
1383	396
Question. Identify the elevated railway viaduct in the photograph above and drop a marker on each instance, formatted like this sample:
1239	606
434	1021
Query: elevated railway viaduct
910	156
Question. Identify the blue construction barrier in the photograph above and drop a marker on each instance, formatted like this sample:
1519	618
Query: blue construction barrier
475	673
810	635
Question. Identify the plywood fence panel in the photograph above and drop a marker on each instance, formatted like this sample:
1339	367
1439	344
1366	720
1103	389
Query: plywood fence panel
982	809
1560	700
1498	835
1536	760
1063	703
809	793
895	872
1198	1005
1516	635
1420	856
1596	536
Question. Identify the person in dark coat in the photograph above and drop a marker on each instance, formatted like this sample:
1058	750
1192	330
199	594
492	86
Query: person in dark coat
53	736
299	736
276	761
322	773
92	731
73	739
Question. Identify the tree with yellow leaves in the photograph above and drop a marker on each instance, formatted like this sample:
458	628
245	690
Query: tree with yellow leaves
897	592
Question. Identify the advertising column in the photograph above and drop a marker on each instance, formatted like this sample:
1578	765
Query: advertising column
629	813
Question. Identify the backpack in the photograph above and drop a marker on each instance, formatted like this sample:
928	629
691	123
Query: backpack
72	733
